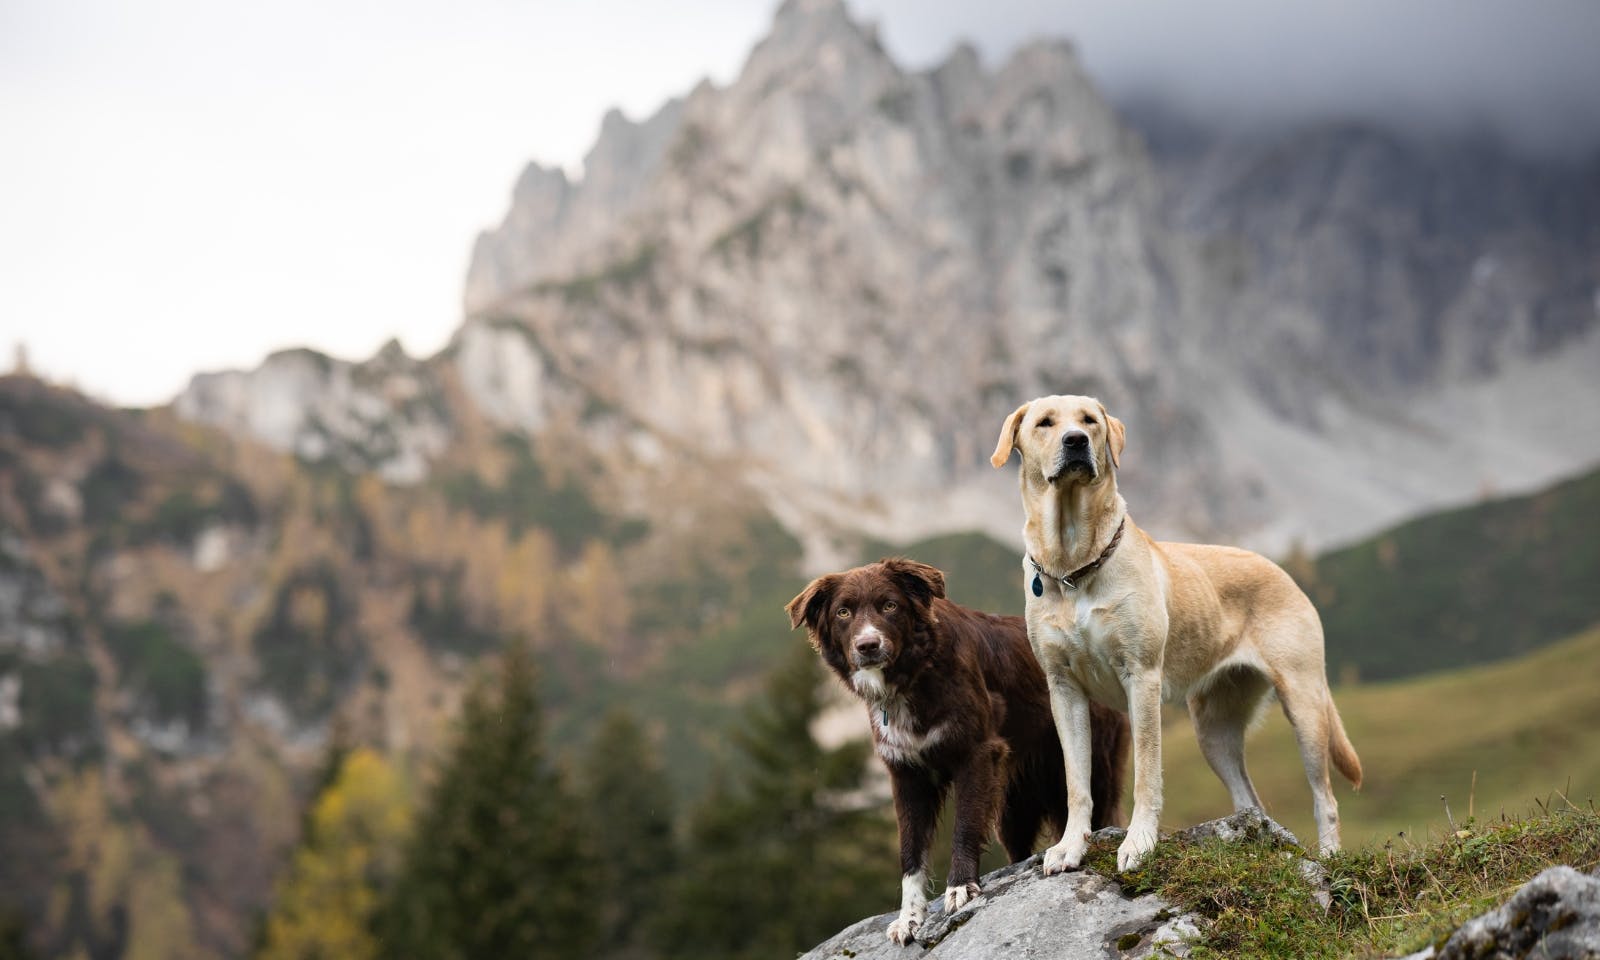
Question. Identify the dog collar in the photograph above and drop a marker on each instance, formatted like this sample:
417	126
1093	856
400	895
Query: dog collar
1071	580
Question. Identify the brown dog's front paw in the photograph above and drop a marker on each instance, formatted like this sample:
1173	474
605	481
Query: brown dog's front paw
959	896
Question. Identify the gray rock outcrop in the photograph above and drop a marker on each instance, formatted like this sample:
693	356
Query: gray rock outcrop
1554	916
1022	913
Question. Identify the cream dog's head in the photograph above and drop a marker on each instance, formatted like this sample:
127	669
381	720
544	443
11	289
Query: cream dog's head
1064	440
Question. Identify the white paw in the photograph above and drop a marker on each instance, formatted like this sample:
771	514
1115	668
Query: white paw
1066	855
957	897
1141	839
904	929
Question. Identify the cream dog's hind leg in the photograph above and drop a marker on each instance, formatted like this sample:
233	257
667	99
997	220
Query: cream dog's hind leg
1222	714
1307	706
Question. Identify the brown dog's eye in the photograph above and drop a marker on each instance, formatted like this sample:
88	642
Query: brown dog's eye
889	606
843	613
1044	422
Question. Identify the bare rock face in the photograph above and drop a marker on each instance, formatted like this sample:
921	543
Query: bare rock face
384	415
552	219
1023	914
834	277
1555	916
844	276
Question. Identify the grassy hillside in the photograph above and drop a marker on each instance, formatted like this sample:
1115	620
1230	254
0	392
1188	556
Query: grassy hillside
978	571
1527	728
1465	586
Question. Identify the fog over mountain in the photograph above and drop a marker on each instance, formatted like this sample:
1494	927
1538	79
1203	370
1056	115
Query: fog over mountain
1525	73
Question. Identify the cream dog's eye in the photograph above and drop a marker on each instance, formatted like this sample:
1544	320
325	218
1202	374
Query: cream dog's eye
843	614
1046	422
1088	421
889	606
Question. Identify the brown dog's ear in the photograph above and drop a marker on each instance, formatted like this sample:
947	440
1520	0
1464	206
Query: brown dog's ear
807	608
920	582
1116	433
1008	436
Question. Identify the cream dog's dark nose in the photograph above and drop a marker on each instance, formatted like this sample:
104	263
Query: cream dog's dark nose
1075	440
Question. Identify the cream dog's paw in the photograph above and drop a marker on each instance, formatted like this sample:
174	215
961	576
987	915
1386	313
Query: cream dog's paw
1066	855
903	929
1141	839
957	897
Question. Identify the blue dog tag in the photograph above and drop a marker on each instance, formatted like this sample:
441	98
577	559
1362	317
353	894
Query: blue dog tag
1038	586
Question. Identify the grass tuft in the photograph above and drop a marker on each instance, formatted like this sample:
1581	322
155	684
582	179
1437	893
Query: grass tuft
1387	900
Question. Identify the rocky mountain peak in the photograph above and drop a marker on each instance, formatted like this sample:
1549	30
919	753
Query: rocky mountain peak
835	276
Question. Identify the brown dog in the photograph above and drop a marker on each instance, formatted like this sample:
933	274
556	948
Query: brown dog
1117	618
955	698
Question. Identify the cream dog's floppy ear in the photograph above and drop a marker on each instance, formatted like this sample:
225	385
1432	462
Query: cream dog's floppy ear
1116	435
1008	436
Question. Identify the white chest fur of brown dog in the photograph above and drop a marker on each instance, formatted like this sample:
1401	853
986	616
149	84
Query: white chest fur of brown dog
1217	628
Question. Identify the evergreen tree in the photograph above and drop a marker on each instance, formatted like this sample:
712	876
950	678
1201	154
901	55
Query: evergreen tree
790	850
13	937
347	859
629	803
497	867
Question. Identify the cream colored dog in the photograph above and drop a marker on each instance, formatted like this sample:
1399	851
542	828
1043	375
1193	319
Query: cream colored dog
1118	618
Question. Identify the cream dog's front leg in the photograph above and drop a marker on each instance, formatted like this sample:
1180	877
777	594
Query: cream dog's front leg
1144	716
1069	705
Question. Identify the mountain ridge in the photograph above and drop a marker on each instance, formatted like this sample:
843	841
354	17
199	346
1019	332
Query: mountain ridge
833	277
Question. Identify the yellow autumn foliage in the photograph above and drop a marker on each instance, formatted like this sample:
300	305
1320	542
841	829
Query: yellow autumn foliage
325	905
123	872
592	607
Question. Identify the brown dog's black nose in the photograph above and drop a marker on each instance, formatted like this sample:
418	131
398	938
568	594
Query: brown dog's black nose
1075	439
869	646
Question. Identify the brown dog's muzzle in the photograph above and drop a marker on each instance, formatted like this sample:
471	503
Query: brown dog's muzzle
869	649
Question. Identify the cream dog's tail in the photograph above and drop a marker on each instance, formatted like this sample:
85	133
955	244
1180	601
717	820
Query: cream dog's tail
1339	748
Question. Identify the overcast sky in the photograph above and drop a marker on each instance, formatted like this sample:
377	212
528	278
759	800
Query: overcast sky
190	184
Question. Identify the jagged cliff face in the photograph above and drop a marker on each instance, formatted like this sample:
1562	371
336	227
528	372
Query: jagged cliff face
842	276
386	415
834	277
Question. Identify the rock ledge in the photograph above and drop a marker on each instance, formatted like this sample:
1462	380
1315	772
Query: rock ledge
1023	914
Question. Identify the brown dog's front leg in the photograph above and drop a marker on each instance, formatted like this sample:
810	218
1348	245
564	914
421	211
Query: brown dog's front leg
978	786
916	808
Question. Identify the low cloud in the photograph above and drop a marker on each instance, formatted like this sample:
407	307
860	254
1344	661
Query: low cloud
1528	71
